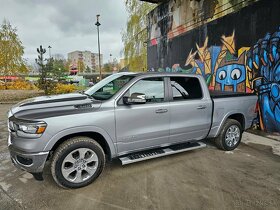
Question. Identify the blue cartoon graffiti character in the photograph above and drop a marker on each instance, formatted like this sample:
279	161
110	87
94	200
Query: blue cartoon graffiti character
231	73
263	60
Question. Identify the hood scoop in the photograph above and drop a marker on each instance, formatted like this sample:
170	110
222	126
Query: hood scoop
54	101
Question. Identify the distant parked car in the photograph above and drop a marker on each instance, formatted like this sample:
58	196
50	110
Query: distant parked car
90	84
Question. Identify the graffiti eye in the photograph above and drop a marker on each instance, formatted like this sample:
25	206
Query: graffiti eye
222	75
275	90
235	74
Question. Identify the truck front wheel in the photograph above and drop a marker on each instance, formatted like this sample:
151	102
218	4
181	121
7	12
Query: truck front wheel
230	135
77	162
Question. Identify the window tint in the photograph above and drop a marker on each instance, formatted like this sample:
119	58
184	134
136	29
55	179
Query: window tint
184	88
153	88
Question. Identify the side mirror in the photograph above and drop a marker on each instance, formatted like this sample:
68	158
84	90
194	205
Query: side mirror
135	98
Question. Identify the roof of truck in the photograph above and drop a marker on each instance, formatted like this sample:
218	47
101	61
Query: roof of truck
158	73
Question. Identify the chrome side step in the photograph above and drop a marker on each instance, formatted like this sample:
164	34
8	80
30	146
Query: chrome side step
155	153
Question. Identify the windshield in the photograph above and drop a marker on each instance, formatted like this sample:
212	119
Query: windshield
107	87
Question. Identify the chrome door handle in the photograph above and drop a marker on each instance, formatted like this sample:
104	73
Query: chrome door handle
201	107
159	111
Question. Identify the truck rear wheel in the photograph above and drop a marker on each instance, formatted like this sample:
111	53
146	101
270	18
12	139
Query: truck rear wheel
77	162
230	135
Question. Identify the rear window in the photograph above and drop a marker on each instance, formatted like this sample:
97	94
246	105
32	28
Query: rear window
185	88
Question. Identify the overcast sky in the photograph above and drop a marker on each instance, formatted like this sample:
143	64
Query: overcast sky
67	25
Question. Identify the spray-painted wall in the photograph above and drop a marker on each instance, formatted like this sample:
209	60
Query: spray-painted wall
234	44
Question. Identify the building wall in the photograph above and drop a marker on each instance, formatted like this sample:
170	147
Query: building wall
95	61
87	59
234	44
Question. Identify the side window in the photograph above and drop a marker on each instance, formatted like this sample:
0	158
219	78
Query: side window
185	88
153	88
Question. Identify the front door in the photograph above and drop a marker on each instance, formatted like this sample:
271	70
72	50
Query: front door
140	126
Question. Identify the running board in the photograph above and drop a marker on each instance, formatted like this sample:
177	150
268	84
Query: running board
155	153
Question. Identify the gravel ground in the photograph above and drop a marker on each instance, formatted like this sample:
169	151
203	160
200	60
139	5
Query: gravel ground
246	178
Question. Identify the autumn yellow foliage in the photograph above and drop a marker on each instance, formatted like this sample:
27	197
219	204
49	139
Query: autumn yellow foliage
25	85
18	85
64	88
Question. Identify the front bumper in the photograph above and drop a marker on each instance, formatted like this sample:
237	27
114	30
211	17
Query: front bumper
30	162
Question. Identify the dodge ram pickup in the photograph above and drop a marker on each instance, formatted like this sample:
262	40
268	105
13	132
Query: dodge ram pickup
129	116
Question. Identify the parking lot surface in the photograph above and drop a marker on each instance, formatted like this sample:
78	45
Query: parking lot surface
246	178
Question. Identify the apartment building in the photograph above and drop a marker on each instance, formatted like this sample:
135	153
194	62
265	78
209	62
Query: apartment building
89	59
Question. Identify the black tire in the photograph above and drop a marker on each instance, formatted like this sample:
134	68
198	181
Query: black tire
66	148
220	140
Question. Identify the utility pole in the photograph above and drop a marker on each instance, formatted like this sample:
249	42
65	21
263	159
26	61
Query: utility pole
99	59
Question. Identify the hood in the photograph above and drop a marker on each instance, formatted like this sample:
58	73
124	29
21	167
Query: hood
56	105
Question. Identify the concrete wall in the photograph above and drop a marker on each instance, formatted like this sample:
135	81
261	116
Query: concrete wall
234	44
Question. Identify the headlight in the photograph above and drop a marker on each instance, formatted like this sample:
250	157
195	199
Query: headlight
32	128
28	129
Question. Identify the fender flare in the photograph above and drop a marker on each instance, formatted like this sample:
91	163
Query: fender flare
226	117
80	129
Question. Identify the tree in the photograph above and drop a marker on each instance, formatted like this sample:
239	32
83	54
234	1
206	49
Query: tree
11	51
43	70
59	69
81	66
50	70
88	70
67	65
135	36
111	66
107	67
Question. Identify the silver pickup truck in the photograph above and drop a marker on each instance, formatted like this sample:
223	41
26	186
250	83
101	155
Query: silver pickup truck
129	116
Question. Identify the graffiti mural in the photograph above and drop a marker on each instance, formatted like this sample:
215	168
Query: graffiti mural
175	17
255	69
219	65
248	69
263	63
175	68
234	45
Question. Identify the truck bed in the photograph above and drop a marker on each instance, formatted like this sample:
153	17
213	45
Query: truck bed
228	103
226	94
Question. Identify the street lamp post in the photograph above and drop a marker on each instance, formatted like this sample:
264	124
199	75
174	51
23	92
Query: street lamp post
99	60
50	51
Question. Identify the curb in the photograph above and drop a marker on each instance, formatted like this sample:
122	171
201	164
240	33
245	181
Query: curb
257	139
264	134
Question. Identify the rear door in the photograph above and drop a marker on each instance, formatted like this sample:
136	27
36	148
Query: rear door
190	110
146	125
